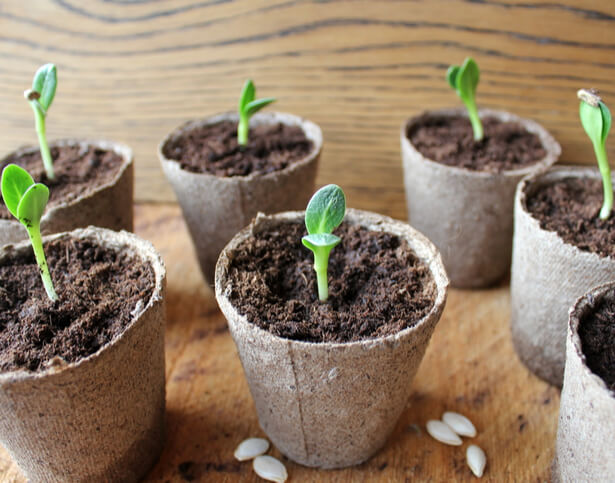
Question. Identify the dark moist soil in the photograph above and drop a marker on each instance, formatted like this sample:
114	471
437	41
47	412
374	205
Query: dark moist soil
570	207
597	333
78	171
449	140
377	286
214	149
98	289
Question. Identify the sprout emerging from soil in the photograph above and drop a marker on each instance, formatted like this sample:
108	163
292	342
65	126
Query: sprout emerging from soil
464	80
40	98
596	120
249	106
323	214
26	200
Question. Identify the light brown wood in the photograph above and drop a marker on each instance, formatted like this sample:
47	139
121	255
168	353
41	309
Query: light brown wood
132	71
469	367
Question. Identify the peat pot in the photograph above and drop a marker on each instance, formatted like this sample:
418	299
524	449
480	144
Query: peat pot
216	208
107	204
547	276
467	214
331	405
100	418
585	447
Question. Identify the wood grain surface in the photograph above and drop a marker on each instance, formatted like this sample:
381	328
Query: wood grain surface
132	70
470	367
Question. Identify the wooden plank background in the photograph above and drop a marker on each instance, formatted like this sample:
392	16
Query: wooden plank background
132	70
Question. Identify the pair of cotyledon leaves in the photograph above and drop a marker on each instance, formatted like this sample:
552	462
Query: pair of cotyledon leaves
247	104
324	213
25	199
44	84
595	117
464	79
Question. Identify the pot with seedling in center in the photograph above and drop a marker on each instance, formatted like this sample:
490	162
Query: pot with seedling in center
82	379
227	168
563	246
91	181
330	338
460	173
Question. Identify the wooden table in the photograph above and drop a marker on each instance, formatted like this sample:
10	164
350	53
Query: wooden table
470	367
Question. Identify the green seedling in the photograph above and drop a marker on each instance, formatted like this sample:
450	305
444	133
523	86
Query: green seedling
40	98
248	106
323	214
26	200
596	120
464	80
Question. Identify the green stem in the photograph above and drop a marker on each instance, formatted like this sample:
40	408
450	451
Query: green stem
34	231
242	129
607	185
39	117
477	126
321	262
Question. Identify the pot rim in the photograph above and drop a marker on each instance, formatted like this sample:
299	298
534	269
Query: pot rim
116	240
122	150
551	146
311	130
373	221
532	182
584	305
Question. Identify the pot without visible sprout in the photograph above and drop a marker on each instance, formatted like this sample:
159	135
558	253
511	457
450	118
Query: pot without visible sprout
585	446
107	205
331	405
547	276
467	214
100	418
216	208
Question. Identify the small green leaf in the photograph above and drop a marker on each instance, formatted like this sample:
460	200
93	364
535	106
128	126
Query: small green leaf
45	82
606	121
468	77
591	119
15	182
32	204
247	95
451	75
320	240
326	210
254	106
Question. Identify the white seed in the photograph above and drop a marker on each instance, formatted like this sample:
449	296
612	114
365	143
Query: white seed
270	469
476	459
459	423
441	432
251	448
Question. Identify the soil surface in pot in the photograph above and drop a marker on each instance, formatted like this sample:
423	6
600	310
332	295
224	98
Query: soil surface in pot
214	149
570	207
377	285
449	140
78	172
597	333
98	288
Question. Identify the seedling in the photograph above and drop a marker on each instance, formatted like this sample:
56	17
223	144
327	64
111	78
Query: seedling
248	106
323	214
464	80
26	200
596	120
40	98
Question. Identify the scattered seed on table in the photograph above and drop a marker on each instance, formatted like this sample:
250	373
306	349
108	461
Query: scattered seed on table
459	423
270	469
251	448
476	459
443	433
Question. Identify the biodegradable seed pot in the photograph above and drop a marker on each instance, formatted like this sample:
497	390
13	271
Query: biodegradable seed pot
585	445
219	200
466	209
322	402
549	273
81	401
93	186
